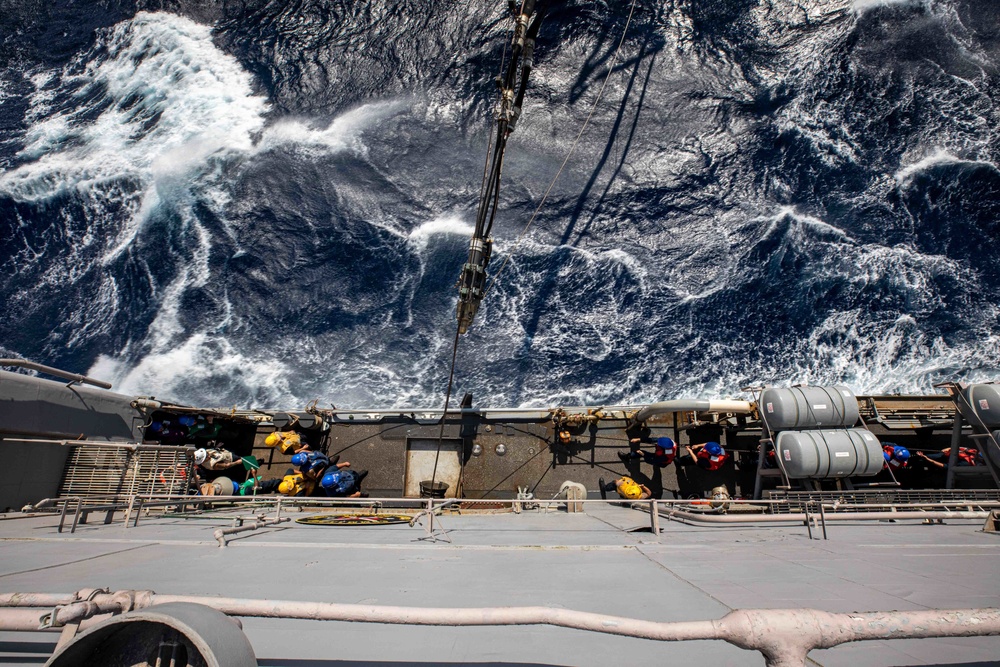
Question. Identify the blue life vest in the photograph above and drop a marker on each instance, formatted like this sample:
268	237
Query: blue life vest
314	461
340	482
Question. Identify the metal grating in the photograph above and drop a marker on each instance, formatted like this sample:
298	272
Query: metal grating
100	472
855	501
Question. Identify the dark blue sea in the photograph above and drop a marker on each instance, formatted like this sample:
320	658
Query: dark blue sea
262	203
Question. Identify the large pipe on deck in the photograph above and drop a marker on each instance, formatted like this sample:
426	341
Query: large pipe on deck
691	405
783	636
49	370
800	517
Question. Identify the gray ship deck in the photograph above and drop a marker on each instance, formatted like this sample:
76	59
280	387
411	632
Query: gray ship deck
592	561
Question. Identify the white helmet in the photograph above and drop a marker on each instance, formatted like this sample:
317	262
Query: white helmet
199	456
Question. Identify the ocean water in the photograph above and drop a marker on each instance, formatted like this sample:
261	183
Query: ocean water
268	203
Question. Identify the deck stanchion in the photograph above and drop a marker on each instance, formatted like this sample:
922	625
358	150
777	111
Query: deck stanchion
76	517
138	512
62	515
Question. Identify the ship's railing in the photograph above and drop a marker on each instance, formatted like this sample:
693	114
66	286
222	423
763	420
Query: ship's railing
814	515
861	499
783	636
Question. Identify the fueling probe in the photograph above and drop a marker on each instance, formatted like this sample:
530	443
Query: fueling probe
472	281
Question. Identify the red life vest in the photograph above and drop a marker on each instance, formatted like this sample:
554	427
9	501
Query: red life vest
968	456
709	462
892	460
665	457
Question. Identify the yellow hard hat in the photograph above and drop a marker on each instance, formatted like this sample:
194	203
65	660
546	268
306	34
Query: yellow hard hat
629	490
272	440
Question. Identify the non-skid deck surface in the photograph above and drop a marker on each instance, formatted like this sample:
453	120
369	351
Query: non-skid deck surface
589	562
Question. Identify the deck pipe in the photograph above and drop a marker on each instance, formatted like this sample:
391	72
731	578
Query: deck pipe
801	517
222	533
49	370
783	636
690	405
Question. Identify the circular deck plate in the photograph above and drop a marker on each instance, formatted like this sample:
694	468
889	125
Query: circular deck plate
354	519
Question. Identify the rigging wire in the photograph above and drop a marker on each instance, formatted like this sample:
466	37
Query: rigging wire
586	122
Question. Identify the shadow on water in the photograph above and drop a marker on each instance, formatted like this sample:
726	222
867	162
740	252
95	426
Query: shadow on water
647	52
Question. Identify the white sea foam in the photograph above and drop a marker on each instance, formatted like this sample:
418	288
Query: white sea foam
342	133
864	5
937	158
420	236
159	66
201	360
173	103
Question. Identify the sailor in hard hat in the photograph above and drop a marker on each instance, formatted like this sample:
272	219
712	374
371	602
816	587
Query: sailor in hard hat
342	482
296	484
709	456
626	487
896	456
288	442
215	459
662	455
313	464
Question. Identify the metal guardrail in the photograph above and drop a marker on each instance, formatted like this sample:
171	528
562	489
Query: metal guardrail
858	500
783	636
712	512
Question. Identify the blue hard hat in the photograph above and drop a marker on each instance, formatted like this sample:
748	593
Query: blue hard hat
713	448
186	420
156	427
300	459
901	453
665	443
331	480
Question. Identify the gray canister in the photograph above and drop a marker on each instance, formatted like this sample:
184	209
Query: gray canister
985	400
808	407
829	453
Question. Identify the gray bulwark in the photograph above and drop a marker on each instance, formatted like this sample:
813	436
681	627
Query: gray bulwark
31	407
